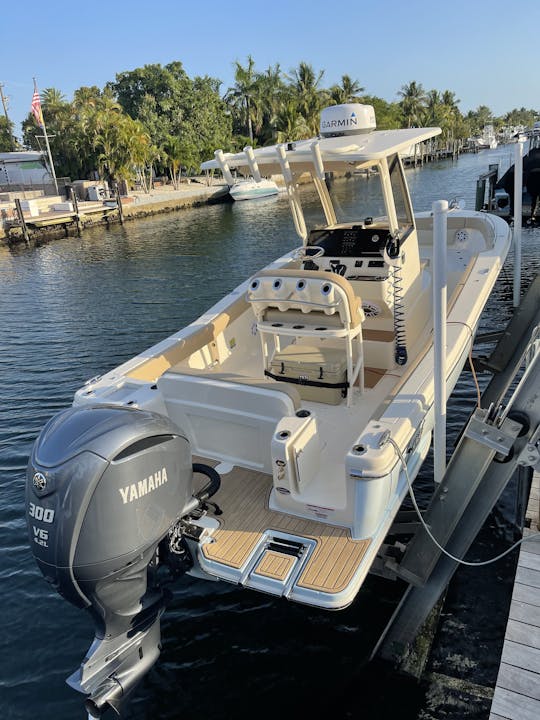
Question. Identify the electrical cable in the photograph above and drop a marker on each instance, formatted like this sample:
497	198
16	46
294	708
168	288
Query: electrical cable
535	536
478	393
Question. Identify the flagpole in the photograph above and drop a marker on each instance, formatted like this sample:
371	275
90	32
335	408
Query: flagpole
47	144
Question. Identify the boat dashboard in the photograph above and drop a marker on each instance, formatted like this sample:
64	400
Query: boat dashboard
356	252
367	239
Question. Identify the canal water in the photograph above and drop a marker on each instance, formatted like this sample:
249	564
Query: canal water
77	307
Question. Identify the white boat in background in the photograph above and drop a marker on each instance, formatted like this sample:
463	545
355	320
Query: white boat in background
301	395
251	189
488	140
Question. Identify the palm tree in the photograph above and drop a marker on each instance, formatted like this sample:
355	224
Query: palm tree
241	95
412	103
433	103
270	91
346	92
449	98
53	99
290	123
304	84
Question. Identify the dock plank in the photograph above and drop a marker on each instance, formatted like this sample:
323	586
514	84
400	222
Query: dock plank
532	546
523	633
527	594
525	612
526	576
513	706
519	680
521	656
517	693
528	559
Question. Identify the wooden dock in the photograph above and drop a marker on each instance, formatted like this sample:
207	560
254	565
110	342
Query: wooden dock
82	214
517	692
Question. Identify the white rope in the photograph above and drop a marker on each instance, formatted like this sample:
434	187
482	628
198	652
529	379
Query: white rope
535	536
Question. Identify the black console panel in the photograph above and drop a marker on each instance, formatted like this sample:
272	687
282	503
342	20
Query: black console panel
352	241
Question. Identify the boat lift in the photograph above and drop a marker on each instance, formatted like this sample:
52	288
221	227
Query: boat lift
496	443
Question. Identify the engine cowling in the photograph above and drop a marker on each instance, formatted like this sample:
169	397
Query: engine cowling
105	485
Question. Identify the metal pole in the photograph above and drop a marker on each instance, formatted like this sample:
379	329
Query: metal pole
227	176
50	157
518	214
253	166
47	145
440	221
11	138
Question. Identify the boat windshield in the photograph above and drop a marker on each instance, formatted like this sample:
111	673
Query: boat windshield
363	199
402	200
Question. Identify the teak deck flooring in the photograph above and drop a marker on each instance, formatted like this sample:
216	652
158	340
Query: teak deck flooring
243	497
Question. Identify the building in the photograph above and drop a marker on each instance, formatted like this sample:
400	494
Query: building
26	170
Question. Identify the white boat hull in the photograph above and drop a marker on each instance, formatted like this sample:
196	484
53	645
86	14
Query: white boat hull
251	190
355	485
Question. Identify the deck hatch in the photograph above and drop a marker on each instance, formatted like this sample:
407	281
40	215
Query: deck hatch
277	563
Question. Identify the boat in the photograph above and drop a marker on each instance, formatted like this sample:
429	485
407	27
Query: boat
268	443
488	140
251	189
502	202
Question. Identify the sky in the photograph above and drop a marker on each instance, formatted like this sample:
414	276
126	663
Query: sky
486	53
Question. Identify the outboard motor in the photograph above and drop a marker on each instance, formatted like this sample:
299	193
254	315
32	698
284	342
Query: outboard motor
108	492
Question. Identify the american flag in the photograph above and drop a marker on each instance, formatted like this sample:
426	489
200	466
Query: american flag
36	108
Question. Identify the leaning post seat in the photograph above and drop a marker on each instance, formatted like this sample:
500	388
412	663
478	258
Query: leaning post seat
326	304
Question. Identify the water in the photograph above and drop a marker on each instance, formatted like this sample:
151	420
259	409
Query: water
77	307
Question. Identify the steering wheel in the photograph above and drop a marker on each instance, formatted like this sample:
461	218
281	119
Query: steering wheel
302	255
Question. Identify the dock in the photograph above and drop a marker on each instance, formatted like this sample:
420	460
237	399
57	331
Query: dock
17	225
430	151
517	692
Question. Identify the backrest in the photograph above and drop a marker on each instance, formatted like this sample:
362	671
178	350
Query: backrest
228	417
307	291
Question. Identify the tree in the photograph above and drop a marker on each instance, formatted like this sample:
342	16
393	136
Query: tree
270	92
125	150
62	130
169	104
180	152
206	125
388	115
290	123
479	118
242	94
304	84
347	92
413	103
521	117
7	140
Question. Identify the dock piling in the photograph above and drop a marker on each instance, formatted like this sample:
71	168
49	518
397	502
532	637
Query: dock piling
119	203
73	198
22	221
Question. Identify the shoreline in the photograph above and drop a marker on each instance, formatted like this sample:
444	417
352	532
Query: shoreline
136	205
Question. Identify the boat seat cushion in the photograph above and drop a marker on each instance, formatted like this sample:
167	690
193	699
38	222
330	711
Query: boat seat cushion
199	337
